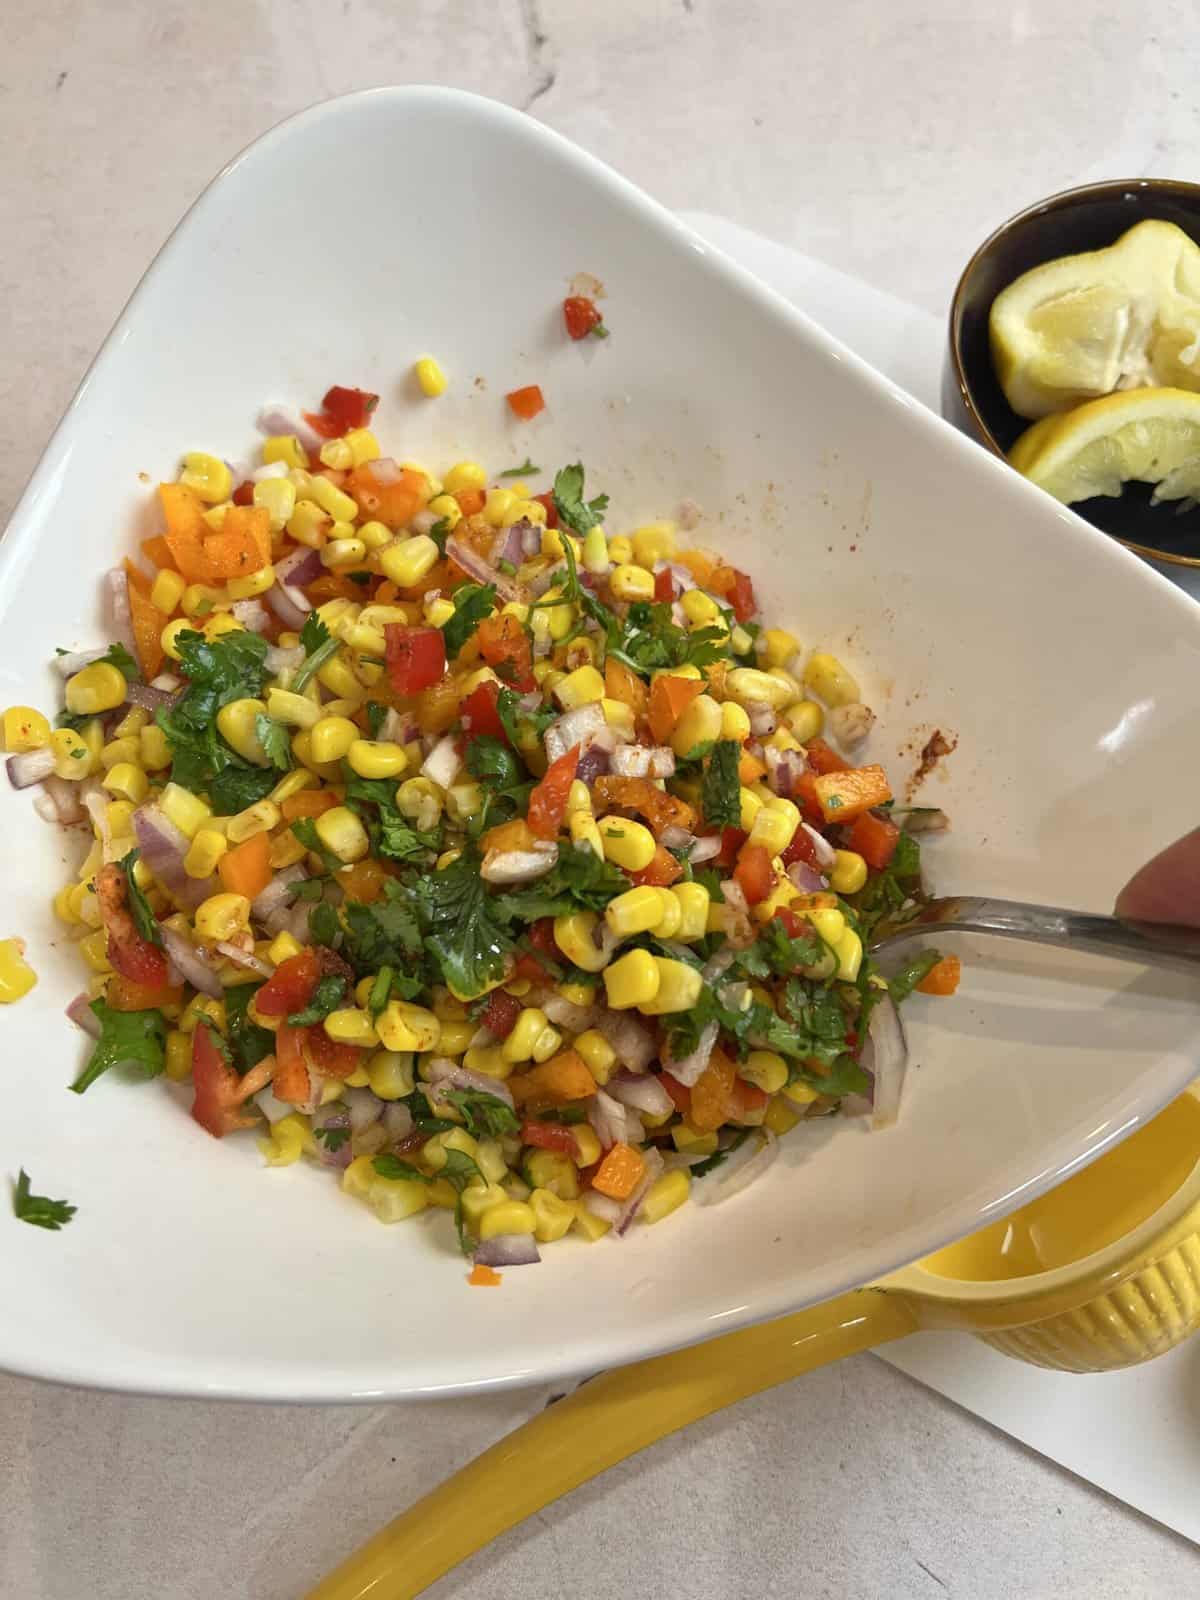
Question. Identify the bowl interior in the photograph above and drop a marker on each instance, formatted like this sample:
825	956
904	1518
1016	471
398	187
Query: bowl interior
870	527
1068	224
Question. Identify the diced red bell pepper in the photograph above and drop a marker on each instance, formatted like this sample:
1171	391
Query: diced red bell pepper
349	408
794	925
219	1094
800	848
541	937
581	315
243	495
416	657
548	799
741	597
754	873
503	644
664	586
526	403
664	870
128	953
874	838
290	987
804	793
745	1097
530	967
331	1059
547	500
499	1015
550	1136
480	715
732	840
823	759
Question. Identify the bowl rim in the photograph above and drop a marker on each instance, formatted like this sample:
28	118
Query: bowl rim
1107	188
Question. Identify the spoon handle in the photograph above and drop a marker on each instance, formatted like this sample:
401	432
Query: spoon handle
1154	943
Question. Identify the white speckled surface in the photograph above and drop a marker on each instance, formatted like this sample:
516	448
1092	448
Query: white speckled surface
884	139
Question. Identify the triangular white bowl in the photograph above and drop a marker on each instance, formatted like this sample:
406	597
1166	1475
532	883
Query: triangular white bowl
340	247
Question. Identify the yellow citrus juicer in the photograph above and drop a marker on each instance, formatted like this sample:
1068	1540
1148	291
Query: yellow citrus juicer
1102	1272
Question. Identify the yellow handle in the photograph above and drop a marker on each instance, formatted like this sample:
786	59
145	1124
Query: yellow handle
606	1420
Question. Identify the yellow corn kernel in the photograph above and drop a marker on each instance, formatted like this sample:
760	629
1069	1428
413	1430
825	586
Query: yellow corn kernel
635	911
552	1217
351	1026
339	505
199	599
341	832
524	1035
801	1094
455	1038
17	977
278	496
445	508
345	551
464	475
171	632
575	937
626	843
595	551
261	817
402	1026
284	447
336	453
748	686
828	679
518	510
376	758
178	1065
620	550
780	1118
692	899
655	541
678	988
669	924
236	723
100	687
489	1158
496	503
202	1007
579	797
735	722
294	710
700	609
332	738
619	717
308	524
120	750
666	1194
698	727
778	647
792	685
596	1051
420	801
463	801
132	723
437	613
25	729
489	1059
434	1150
221	916
633	980
185	809
481	1197
691	1143
582	687
252	585
167	590
773	828
632	583
751	805
286	1142
829	924
127	782
205	850
64	904
408	560
547	1044
430	377
765	1070
153	751
392	1199
206	476
848	873
72	758
513	1216
282	947
94	949
530	511
390	1074
556	620
590	1226
849	952
84	903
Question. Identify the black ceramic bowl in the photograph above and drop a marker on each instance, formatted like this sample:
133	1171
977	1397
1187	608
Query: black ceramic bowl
1076	220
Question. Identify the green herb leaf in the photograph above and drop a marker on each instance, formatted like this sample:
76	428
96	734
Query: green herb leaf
652	641
136	1039
493	763
486	1115
319	645
323	924
385	933
391	834
380	990
458	1171
720	1157
248	1042
579	881
276	743
326	997
580	515
721	792
117	656
376	716
520	725
306	889
331	1136
38	1209
305	829
887	892
389	1166
231	667
465	937
472	602
525	470
912	973
144	919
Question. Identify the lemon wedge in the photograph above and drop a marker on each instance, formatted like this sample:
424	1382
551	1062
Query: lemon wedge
1147	435
1088	325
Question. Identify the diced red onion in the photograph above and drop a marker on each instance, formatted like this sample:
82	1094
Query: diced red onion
577	727
397	1120
163	848
370	1141
75	660
480	1040
633	1042
299	567
276	419
333	1116
531	539
717	964
784	770
708	845
805	878
446	1072
643	1092
677	838
689	1069
733	995
473	564
674	1159
566	1014
508	1250
149	698
277	893
95	802
251	614
282	602
65	798
385	470
654	1170
443	763
613	1122
190	963
278	659
30	767
286	598
826	854
602	1206
272	1108
762	718
364	1107
519	866
543	647
747	1163
595	759
885	1056
81	1014
398	727
633	761
272	469
246	959
120	618
510	546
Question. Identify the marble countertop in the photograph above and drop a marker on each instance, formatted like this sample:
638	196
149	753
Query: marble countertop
884	139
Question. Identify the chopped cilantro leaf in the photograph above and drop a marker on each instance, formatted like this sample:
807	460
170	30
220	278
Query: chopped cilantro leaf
380	990
248	1043
721	793
384	934
144	919
307	889
319	645
886	892
117	656
376	716
578	514
326	997
914	971
464	935
389	1166
38	1209
134	1039
231	667
490	760
305	830
273	737
331	1136
525	470
472	602
720	1157
440	532
651	641
517	722
458	1171
323	924
486	1115
578	881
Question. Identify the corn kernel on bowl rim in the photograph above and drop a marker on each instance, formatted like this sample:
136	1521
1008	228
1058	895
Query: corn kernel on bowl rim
159	1284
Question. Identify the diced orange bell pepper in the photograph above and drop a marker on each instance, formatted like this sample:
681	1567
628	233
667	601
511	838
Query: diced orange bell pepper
158	551
482	1277
364	881
843	796
393	503
660	809
712	1093
942	979
874	838
246	869
700	564
185	533
307	803
148	623
138	579
664	870
527	402
750	769
623	684
514	835
470	501
619	1174
243	546
564	1077
669	699
126	994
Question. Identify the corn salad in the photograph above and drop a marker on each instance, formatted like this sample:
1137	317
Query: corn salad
439	836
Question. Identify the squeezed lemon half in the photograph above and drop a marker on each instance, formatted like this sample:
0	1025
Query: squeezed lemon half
1088	325
1147	435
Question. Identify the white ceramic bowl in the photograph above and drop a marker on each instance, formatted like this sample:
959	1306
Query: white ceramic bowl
965	599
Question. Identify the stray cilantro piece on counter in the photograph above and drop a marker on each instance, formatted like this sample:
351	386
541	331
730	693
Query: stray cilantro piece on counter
913	972
331	1136
319	645
39	1209
389	1166
144	919
273	737
472	602
721	791
248	1042
136	1039
525	470
580	515
720	1157
486	1115
380	990
326	997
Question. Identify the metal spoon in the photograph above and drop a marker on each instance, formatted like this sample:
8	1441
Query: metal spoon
1157	944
